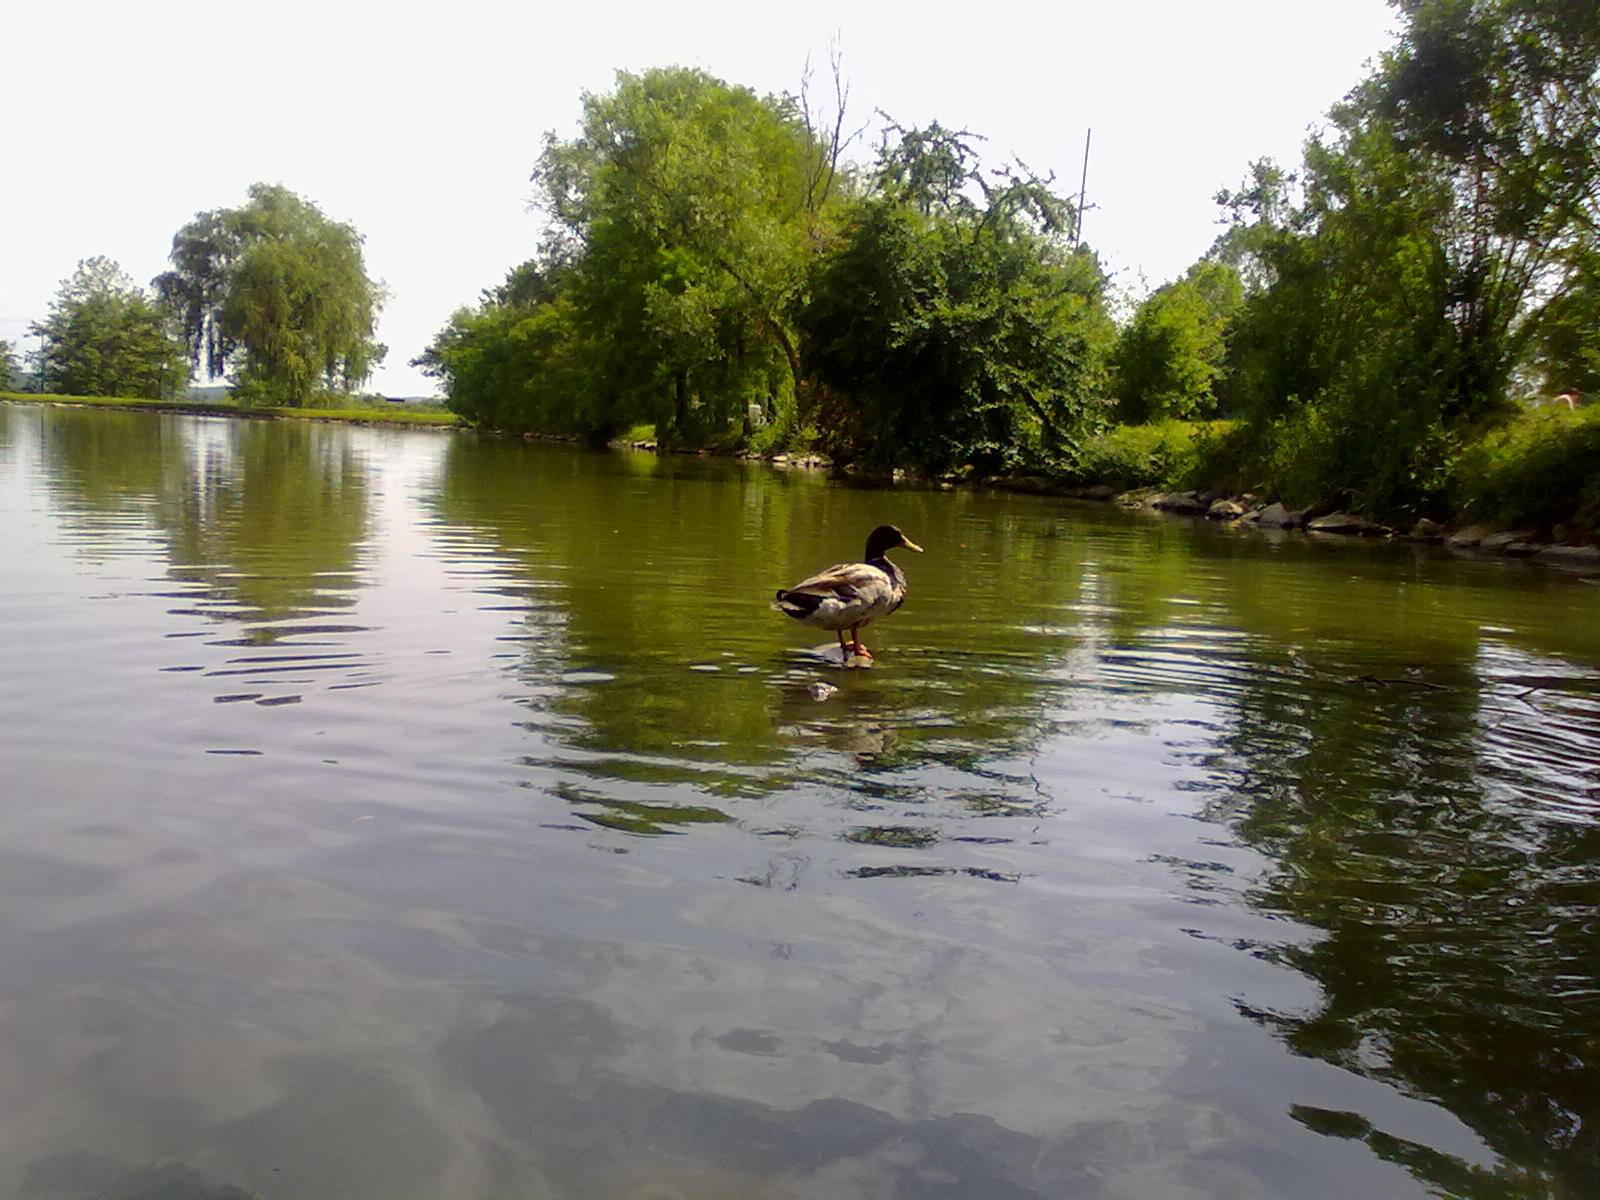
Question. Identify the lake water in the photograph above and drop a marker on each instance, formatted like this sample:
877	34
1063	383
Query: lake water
395	814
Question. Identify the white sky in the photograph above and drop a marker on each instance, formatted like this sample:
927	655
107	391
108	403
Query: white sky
420	124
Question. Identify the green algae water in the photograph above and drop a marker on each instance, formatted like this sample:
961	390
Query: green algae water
403	814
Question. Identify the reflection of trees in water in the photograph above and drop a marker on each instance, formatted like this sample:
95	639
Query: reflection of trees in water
277	515
662	569
104	470
262	520
1458	961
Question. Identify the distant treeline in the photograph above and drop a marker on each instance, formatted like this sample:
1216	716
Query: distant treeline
715	268
271	295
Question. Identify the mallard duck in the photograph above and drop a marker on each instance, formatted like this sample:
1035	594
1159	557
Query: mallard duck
853	594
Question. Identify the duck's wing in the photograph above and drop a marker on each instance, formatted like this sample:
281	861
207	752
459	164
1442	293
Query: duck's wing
845	581
840	595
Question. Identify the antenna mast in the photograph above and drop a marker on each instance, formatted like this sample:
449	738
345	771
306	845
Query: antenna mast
1083	189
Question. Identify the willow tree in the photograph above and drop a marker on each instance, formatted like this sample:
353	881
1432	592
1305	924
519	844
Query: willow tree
275	295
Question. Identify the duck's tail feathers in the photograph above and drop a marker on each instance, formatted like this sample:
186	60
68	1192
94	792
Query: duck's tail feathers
796	604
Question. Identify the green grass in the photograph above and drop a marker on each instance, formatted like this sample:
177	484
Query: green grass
1539	471
362	414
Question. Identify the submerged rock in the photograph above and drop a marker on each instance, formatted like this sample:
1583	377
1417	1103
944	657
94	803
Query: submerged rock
1570	554
1095	491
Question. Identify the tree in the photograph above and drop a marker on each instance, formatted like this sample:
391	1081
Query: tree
1564	352
1448	218
953	324
1169	359
8	366
686	206
518	361
105	336
276	294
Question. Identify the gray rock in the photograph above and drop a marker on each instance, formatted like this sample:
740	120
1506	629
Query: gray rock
1463	539
1426	530
1276	516
1187	503
1344	523
1225	510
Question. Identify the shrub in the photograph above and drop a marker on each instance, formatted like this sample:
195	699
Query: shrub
1540	470
1164	454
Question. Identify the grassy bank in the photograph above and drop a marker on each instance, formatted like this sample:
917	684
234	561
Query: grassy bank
1539	471
362	414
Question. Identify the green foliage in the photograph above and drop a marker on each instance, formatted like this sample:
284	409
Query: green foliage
104	336
9	367
517	366
1160	454
1538	471
1169	358
1564	350
952	324
1440	243
1399	467
684	217
710	272
275	294
692	201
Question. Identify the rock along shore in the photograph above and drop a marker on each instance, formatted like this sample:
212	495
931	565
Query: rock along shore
1565	548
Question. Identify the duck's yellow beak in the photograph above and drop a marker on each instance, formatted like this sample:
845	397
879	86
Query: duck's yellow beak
910	545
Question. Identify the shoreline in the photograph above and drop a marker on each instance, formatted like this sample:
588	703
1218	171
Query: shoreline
1244	511
430	419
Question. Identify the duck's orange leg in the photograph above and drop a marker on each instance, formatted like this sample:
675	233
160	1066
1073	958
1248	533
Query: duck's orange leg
855	642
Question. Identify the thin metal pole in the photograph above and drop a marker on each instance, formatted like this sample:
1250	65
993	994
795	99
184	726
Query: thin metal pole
1083	188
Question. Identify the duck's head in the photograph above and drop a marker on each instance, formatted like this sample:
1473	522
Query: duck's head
886	538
